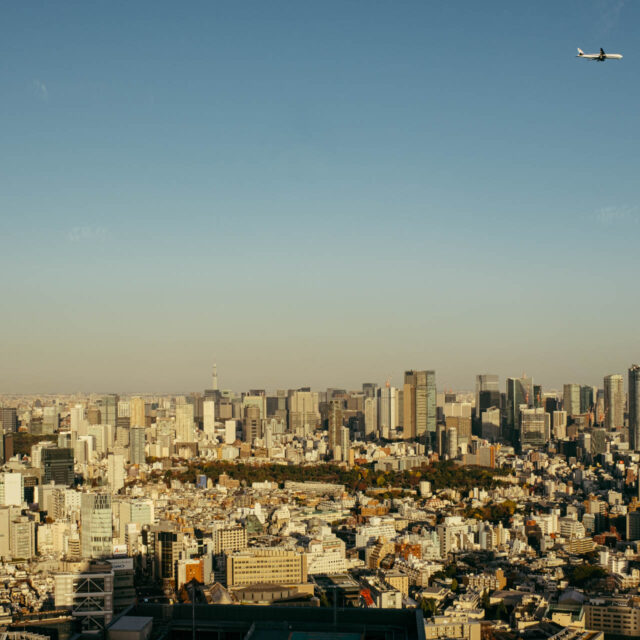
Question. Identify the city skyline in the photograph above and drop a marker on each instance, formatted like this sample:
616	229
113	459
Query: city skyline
395	381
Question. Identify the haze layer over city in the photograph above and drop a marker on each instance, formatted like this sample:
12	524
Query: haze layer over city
319	320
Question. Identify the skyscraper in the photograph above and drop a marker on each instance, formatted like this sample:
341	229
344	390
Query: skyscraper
303	411
388	409
335	424
209	418
136	445
138	414
115	471
634	407
587	399
571	399
613	402
519	392
533	428
370	416
97	533
57	466
252	423
109	409
185	426
9	419
419	404
487	393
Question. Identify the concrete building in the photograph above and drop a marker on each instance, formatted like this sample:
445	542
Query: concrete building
619	617
96	522
229	539
267	566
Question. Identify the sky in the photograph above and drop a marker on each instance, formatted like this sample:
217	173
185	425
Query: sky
316	193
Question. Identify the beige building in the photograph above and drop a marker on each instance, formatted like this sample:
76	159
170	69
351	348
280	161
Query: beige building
452	627
230	539
613	616
137	412
266	566
303	411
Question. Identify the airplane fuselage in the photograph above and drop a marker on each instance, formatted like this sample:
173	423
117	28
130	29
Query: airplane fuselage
600	57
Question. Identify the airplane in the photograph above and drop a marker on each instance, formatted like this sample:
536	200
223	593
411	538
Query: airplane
600	57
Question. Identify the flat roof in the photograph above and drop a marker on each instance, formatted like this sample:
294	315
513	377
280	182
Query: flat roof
131	623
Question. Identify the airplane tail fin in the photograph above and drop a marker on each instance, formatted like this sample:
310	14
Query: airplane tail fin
580	52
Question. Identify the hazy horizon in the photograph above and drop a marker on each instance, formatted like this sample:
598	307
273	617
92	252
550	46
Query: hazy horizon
317	194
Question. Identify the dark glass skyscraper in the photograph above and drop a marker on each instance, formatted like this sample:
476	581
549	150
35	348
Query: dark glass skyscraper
519	392
634	407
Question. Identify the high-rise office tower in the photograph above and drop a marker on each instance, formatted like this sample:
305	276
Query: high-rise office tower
369	389
419	399
571	399
57	466
487	393
345	443
559	425
519	392
598	442
256	399
124	409
613	402
9	419
209	418
409	427
251	424
370	416
77	422
634	407
95	519
138	416
387	410
185	426
587	398
136	445
109	409
50	420
335	423
452	442
115	471
303	411
533	428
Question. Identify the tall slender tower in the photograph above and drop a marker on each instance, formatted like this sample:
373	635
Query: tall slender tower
634	407
613	401
215	378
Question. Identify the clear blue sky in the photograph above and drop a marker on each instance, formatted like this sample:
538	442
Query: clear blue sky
316	193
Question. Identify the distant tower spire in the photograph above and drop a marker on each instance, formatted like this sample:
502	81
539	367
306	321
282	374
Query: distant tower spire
215	377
